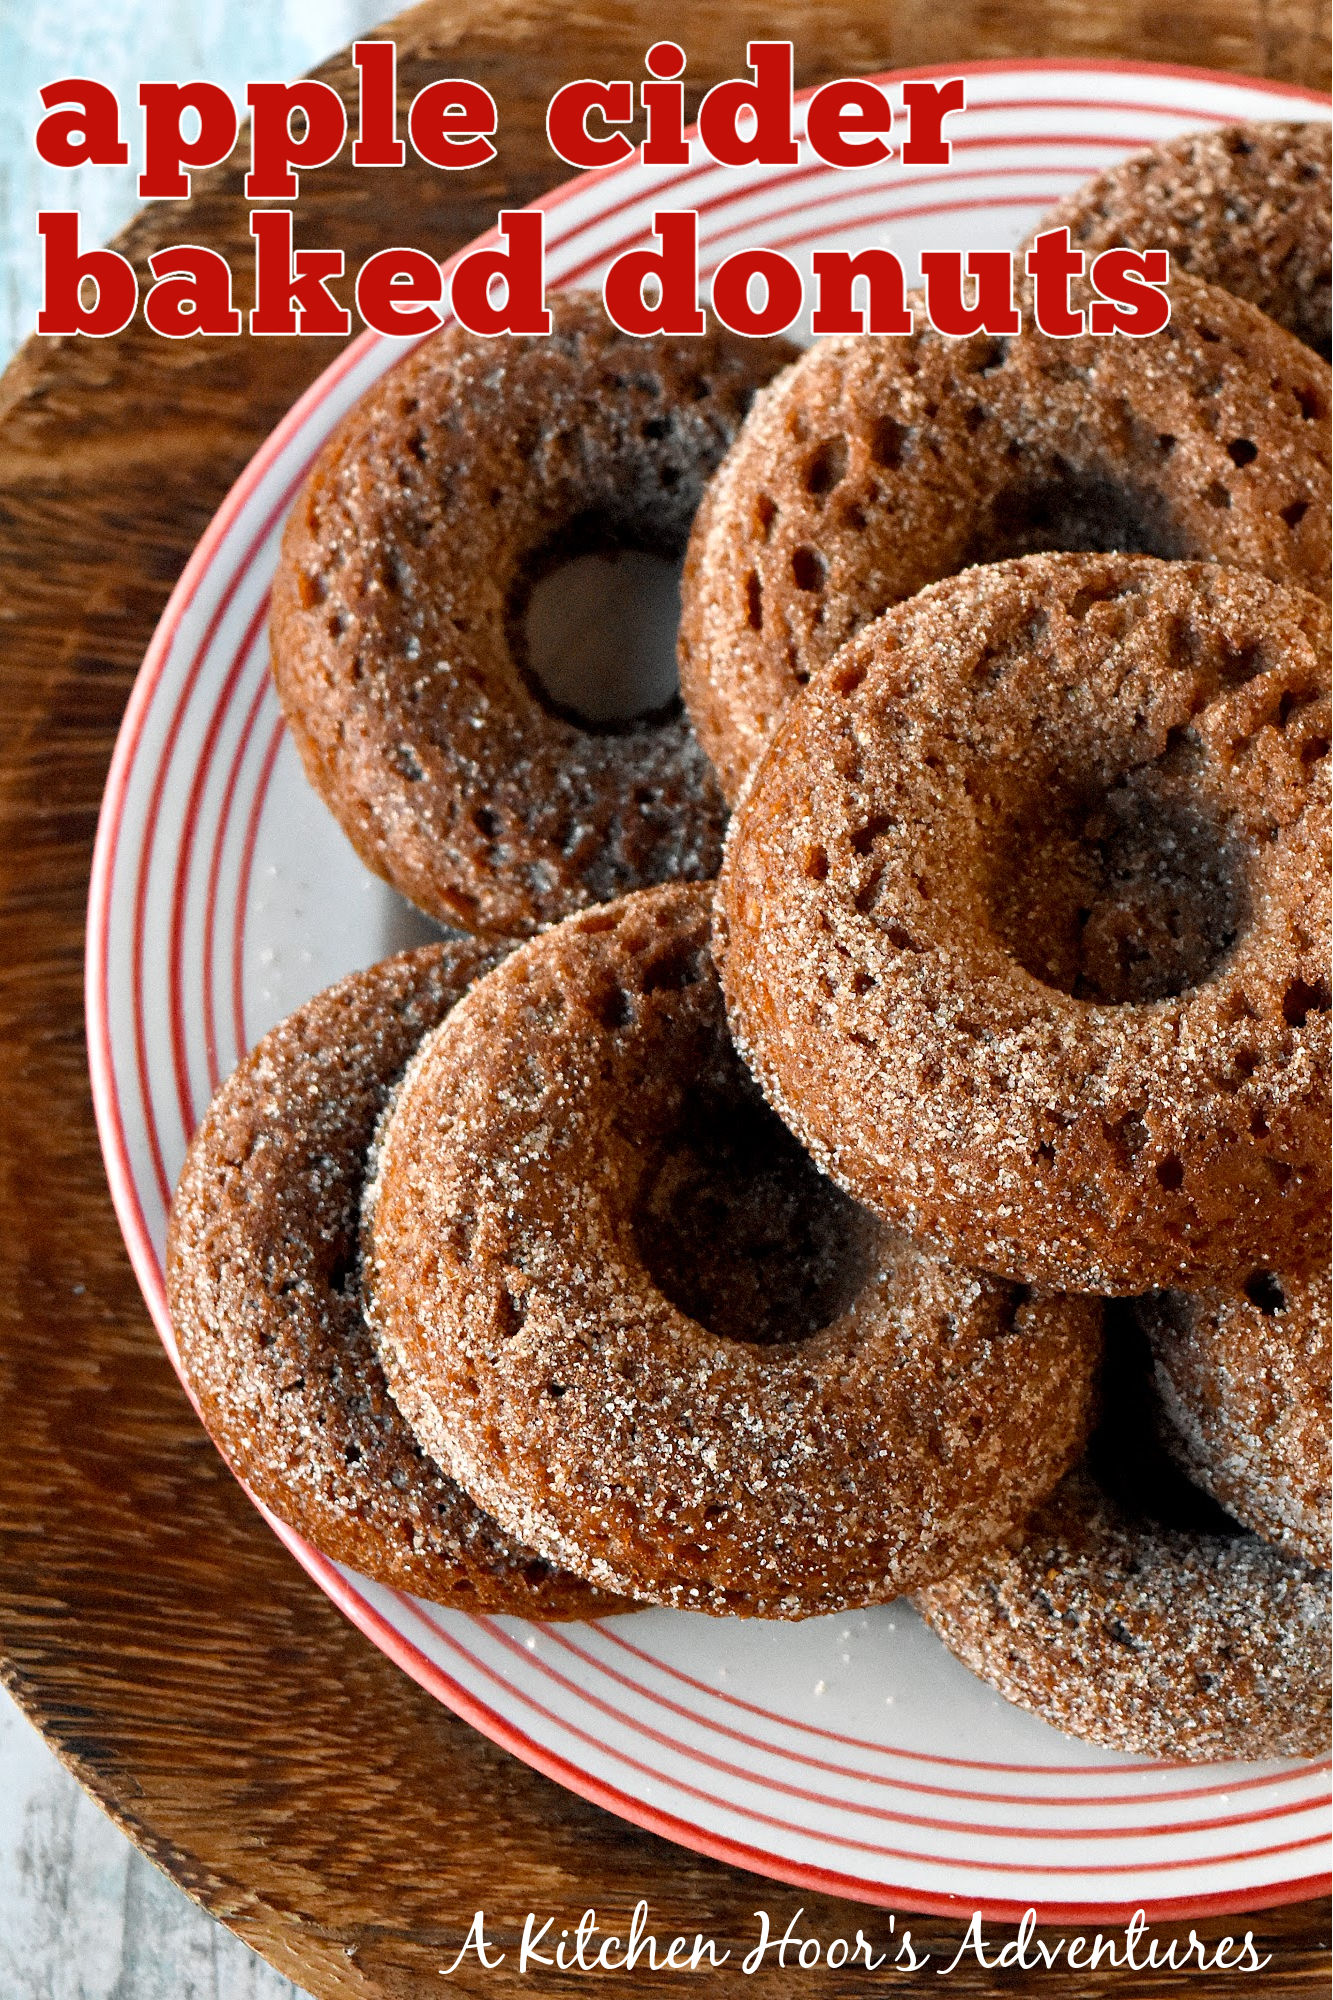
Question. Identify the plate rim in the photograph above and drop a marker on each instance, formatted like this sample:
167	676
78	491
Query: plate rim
143	1257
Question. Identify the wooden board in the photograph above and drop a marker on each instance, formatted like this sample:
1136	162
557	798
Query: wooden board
249	1739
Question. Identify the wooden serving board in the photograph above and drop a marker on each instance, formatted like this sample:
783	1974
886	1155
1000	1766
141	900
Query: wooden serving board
197	1683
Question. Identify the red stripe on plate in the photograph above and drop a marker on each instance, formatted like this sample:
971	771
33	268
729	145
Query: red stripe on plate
181	882
214	877
895	1817
429	1675
559	1635
421	1613
243	885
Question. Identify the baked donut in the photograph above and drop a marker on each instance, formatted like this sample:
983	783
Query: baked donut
615	1297
1023	921
1135	1614
1244	206
264	1284
879	464
1244	1382
397	622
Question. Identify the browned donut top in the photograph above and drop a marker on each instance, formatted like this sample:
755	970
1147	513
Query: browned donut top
879	464
397	612
1245	1383
1246	207
1024	920
614	1292
264	1282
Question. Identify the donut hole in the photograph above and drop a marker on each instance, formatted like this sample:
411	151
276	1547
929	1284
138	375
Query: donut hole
1069	510
738	1228
592	627
1119	895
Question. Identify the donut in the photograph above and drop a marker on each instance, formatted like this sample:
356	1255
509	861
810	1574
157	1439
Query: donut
615	1297
398	649
263	1281
878	465
1245	207
1244	1381
1023	921
1147	1639
1138	1616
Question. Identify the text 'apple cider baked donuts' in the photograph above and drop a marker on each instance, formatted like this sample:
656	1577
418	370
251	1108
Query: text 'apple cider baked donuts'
1023	921
398	635
618	1302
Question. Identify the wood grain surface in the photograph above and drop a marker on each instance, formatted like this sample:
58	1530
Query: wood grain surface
206	1693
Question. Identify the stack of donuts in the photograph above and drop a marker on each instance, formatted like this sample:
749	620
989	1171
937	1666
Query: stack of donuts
866	1128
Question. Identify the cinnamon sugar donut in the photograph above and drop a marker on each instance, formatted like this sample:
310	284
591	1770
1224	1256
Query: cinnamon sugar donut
613	1293
1147	1639
397	621
264	1285
1245	207
1023	921
1135	1614
879	464
1245	1384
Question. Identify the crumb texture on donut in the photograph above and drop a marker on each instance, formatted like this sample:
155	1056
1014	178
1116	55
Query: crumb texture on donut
1245	1384
263	1277
1246	207
1136	1613
618	1303
1153	1640
880	464
397	623
1022	922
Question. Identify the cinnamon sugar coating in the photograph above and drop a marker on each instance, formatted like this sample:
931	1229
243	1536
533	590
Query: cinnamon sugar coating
398	602
1245	1384
1135	1613
1023	921
264	1284
1245	207
1147	1639
575	1174
879	464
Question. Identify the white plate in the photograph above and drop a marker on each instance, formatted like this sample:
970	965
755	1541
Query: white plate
851	1754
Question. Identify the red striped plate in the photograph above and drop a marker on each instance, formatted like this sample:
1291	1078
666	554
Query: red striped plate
851	1754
